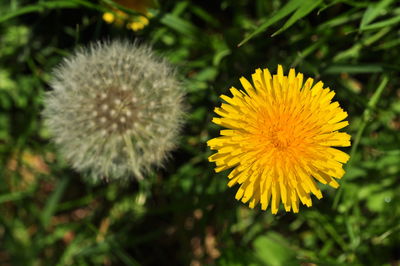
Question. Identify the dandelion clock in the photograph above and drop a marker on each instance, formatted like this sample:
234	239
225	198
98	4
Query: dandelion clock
115	110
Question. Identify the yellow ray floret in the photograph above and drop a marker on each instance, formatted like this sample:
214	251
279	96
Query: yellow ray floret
279	138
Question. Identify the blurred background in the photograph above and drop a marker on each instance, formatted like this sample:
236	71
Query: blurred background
184	214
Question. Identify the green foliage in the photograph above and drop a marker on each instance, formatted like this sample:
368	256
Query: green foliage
184	213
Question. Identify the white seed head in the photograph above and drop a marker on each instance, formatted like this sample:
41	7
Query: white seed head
111	102
103	132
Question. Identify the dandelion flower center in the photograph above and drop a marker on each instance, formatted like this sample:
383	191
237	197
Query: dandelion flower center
279	138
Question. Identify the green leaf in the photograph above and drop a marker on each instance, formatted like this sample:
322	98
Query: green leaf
182	26
355	172
71	251
207	74
300	13
204	15
373	11
289	8
378	201
341	19
14	196
354	69
384	23
272	249
388	44
26	10
51	204
42	6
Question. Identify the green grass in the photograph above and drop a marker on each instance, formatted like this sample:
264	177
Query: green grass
185	213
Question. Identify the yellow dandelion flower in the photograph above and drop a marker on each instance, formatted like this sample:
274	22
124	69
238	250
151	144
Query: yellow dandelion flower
138	24
279	138
134	23
108	17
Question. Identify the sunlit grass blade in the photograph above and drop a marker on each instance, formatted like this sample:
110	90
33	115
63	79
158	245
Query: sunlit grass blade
373	11
385	23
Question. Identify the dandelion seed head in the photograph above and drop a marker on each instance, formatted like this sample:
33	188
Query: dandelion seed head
98	110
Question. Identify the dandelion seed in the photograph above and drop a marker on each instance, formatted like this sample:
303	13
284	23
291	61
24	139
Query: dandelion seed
98	125
279	138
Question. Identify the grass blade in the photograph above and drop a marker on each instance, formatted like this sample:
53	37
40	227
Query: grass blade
286	10
372	12
14	196
300	13
182	26
36	8
354	69
42	6
51	205
366	117
385	23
